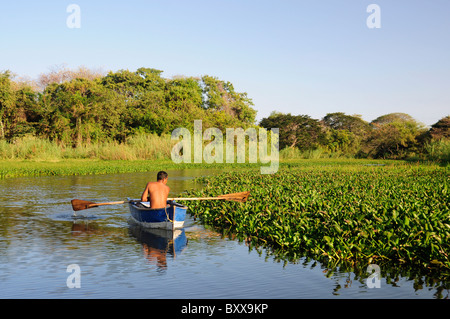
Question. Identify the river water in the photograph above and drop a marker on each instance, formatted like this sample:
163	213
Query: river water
41	239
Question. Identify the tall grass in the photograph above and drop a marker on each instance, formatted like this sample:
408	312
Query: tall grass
295	153
439	151
138	147
153	147
30	147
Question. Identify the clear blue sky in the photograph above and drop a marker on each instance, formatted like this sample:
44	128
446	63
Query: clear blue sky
301	57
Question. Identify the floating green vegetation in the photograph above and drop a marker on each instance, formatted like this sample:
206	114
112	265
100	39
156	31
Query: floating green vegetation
82	166
352	214
11	168
17	168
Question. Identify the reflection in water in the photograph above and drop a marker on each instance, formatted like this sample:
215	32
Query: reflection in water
391	274
158	244
84	228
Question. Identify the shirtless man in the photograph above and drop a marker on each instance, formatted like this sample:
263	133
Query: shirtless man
157	192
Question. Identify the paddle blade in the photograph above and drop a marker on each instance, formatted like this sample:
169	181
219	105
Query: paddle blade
78	204
237	197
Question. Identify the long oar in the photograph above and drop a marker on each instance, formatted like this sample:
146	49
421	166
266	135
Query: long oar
78	204
237	197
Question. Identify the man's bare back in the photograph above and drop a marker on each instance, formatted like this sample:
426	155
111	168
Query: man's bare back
157	192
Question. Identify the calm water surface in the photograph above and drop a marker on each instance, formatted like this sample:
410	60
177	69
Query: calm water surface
40	237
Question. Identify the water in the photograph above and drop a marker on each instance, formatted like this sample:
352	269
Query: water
40	237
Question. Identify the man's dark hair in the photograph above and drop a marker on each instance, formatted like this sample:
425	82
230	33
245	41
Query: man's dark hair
161	175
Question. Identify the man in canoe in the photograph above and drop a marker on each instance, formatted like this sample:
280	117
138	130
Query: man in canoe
157	192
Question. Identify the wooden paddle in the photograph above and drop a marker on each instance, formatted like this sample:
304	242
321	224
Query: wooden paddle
78	204
237	197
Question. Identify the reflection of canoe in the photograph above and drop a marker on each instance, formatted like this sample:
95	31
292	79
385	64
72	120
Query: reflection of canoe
170	217
163	240
158	244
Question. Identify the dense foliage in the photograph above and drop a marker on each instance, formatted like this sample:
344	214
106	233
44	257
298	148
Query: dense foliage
392	136
74	108
342	213
82	107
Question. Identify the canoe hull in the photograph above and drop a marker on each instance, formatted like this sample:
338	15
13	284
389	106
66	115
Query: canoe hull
171	217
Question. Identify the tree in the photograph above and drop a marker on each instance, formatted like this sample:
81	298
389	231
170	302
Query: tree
183	93
142	93
132	85
393	117
18	103
183	98
7	104
344	133
393	136
440	129
220	96
27	111
80	106
352	123
61	73
296	131
342	141
80	111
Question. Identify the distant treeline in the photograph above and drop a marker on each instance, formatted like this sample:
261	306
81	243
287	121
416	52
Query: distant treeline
390	136
74	108
83	106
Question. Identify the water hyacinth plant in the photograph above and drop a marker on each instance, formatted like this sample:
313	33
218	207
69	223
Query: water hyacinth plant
352	214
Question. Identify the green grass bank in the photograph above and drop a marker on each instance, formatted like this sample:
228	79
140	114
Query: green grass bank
60	167
20	168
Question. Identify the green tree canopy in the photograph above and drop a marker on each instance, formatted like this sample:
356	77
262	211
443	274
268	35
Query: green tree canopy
82	106
394	135
80	111
18	106
220	96
441	129
344	133
7	105
352	123
296	131
393	117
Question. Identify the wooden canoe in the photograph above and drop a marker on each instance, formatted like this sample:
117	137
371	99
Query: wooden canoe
170	217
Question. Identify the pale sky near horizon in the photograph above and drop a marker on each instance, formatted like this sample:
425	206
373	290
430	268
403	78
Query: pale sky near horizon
298	57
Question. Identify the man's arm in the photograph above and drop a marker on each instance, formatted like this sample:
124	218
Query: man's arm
144	196
167	191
